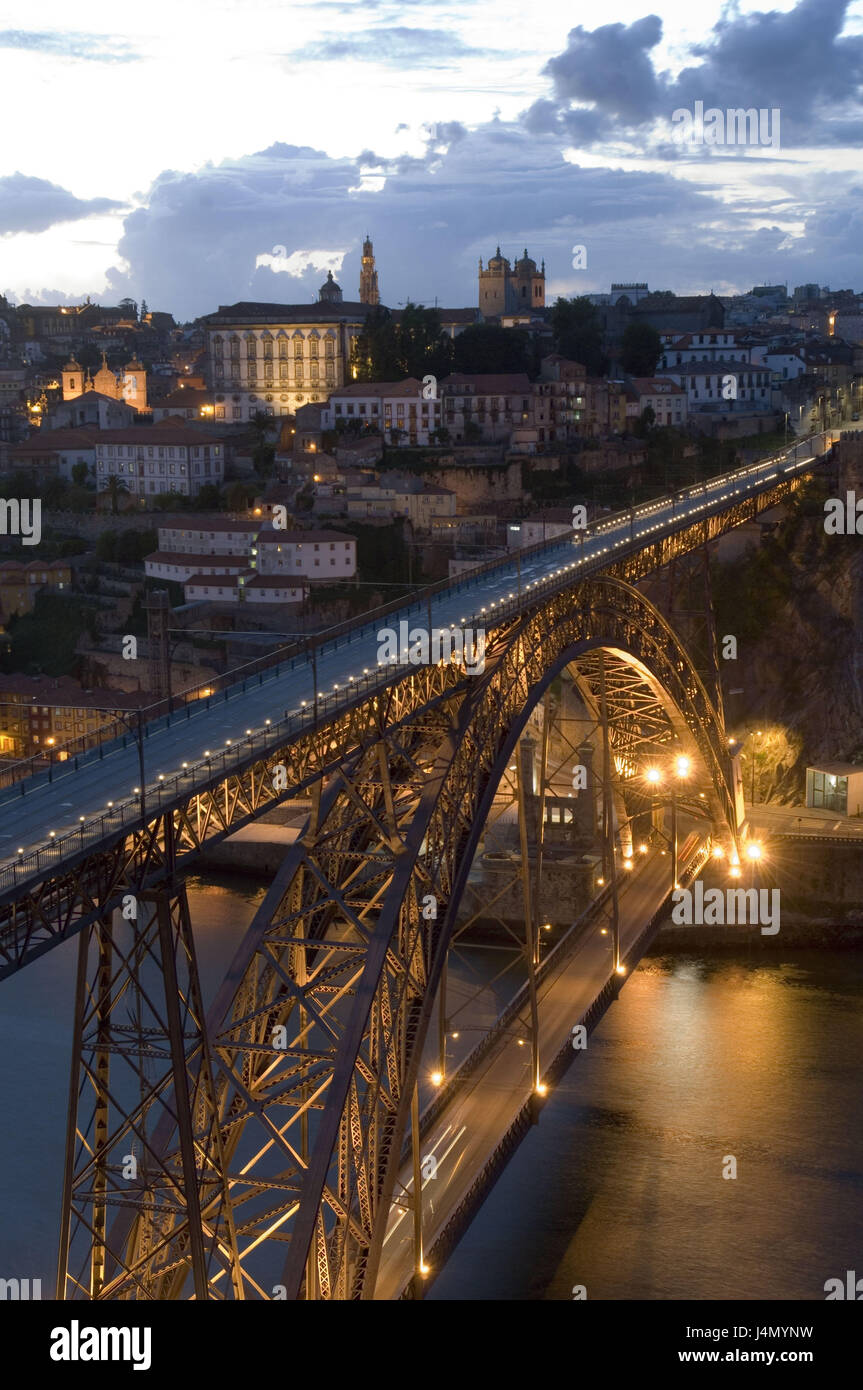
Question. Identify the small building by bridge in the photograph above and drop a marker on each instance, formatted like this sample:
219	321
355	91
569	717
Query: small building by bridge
835	787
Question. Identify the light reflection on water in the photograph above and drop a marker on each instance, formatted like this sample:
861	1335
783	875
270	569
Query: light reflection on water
620	1187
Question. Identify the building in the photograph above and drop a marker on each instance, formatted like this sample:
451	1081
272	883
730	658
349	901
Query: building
422	504
510	290
92	410
57	451
216	536
835	787
20	583
491	403
186	403
243	588
129	385
680	349
275	358
319	556
41	714
369	293
724	385
396	408
664	397
180	566
162	458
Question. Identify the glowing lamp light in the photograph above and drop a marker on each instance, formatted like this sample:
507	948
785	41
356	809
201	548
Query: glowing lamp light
642	849
653	775
542	1089
621	970
718	852
682	766
436	1078
735	872
627	863
753	851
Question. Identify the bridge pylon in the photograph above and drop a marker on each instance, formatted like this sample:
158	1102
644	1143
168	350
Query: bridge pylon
143	1151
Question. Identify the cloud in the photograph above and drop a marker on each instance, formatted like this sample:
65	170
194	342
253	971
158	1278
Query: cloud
606	87
425	48
611	68
64	43
33	205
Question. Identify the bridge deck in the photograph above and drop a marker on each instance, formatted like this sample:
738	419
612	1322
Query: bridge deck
467	1133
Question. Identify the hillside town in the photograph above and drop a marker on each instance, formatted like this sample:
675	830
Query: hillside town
269	470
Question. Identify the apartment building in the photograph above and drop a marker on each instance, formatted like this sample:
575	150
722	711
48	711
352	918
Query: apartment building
161	458
397	409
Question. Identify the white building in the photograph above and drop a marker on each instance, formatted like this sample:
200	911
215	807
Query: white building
725	385
713	345
217	536
274	358
160	458
321	556
420	504
388	406
167	564
663	396
242	588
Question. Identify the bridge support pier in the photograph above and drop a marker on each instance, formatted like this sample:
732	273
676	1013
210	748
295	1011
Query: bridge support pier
141	1088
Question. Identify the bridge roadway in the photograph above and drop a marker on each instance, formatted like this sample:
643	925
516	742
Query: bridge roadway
90	804
466	1133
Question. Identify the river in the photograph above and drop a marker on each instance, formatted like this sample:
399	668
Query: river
620	1188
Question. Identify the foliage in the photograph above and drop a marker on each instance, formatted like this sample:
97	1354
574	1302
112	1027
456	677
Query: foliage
641	349
486	347
578	334
44	641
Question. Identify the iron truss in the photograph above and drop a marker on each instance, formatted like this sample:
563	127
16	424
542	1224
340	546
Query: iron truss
34	919
300	1085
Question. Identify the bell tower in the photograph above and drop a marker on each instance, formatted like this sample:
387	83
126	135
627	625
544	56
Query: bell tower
369	293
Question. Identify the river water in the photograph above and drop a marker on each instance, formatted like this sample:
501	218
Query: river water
620	1188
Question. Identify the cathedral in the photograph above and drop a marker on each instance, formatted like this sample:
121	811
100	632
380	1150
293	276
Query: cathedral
331	292
510	291
129	385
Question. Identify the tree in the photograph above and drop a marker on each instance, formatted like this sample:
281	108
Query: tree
441	435
645	422
641	349
472	432
388	351
115	487
79	474
486	347
578	334
207	499
130	307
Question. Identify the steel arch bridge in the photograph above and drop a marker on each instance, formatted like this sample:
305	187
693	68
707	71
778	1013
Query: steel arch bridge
268	1154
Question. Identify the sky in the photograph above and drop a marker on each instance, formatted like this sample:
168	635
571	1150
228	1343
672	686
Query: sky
194	154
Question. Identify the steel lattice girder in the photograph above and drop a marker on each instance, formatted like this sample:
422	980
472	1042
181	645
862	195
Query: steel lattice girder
34	919
317	1034
140	1058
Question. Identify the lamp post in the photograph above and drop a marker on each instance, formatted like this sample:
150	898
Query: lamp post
654	776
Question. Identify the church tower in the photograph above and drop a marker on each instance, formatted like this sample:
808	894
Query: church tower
369	293
73	379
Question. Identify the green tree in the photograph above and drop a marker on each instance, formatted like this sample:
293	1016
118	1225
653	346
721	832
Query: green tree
641	349
207	499
578	334
79	474
115	488
486	347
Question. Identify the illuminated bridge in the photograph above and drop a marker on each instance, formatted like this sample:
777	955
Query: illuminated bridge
288	1144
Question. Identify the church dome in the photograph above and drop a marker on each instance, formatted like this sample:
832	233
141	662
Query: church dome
330	290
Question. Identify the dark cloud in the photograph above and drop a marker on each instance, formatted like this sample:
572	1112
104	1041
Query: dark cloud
611	67
423	48
33	205
64	43
761	59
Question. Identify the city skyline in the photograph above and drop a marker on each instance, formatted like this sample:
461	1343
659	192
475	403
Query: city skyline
431	138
